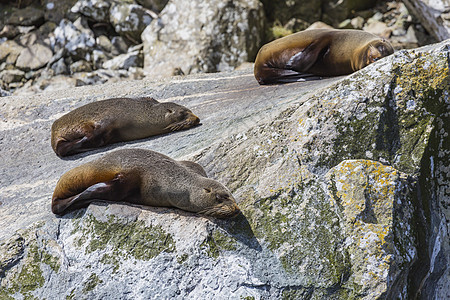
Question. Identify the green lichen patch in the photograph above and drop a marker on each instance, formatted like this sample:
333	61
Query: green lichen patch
393	124
23	268
134	239
217	242
300	226
71	295
182	258
109	259
91	283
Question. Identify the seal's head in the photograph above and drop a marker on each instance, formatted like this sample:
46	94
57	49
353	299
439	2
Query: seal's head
216	200
177	117
374	51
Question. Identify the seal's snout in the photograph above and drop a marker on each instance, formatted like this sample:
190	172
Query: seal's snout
193	119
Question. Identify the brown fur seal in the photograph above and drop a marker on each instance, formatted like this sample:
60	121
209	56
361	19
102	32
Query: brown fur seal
117	120
143	177
318	52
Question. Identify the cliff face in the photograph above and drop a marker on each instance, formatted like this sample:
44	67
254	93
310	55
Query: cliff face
343	185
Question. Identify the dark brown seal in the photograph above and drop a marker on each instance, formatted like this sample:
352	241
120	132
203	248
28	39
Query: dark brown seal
144	177
318	52
117	120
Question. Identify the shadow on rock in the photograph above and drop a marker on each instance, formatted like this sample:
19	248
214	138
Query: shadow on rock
239	228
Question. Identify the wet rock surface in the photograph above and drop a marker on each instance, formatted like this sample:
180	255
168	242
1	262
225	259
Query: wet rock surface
342	183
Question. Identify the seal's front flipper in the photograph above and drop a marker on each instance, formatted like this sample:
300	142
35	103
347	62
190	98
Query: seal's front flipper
119	188
303	60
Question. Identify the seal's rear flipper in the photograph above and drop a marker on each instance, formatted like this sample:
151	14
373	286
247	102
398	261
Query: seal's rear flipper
275	75
90	136
117	189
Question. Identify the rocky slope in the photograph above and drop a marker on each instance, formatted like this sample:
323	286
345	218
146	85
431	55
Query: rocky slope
343	186
49	45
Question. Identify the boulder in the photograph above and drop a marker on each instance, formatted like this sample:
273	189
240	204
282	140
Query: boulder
342	184
34	57
9	51
97	10
9	76
433	15
129	20
77	38
125	61
154	5
26	17
216	36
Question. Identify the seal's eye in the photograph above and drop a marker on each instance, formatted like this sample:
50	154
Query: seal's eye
170	111
207	190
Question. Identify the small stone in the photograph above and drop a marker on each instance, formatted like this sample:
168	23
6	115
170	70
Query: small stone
34	57
9	51
357	23
80	66
60	67
378	28
97	10
155	5
26	17
104	42
320	25
129	20
28	39
119	44
98	58
346	24
125	61
9	31
9	76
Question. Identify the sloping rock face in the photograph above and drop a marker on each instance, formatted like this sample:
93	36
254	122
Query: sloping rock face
344	192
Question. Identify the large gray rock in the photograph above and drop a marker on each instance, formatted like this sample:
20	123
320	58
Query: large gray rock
344	192
198	36
434	15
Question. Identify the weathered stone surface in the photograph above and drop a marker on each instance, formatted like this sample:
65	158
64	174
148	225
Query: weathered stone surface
8	76
215	36
130	20
97	10
26	17
434	16
9	51
75	37
154	5
125	61
344	192
34	57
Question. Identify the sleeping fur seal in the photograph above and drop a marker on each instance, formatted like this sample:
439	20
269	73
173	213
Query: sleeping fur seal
318	52
144	177
116	120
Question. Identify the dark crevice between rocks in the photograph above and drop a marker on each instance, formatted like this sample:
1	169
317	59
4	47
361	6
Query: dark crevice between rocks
425	195
388	137
7	265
